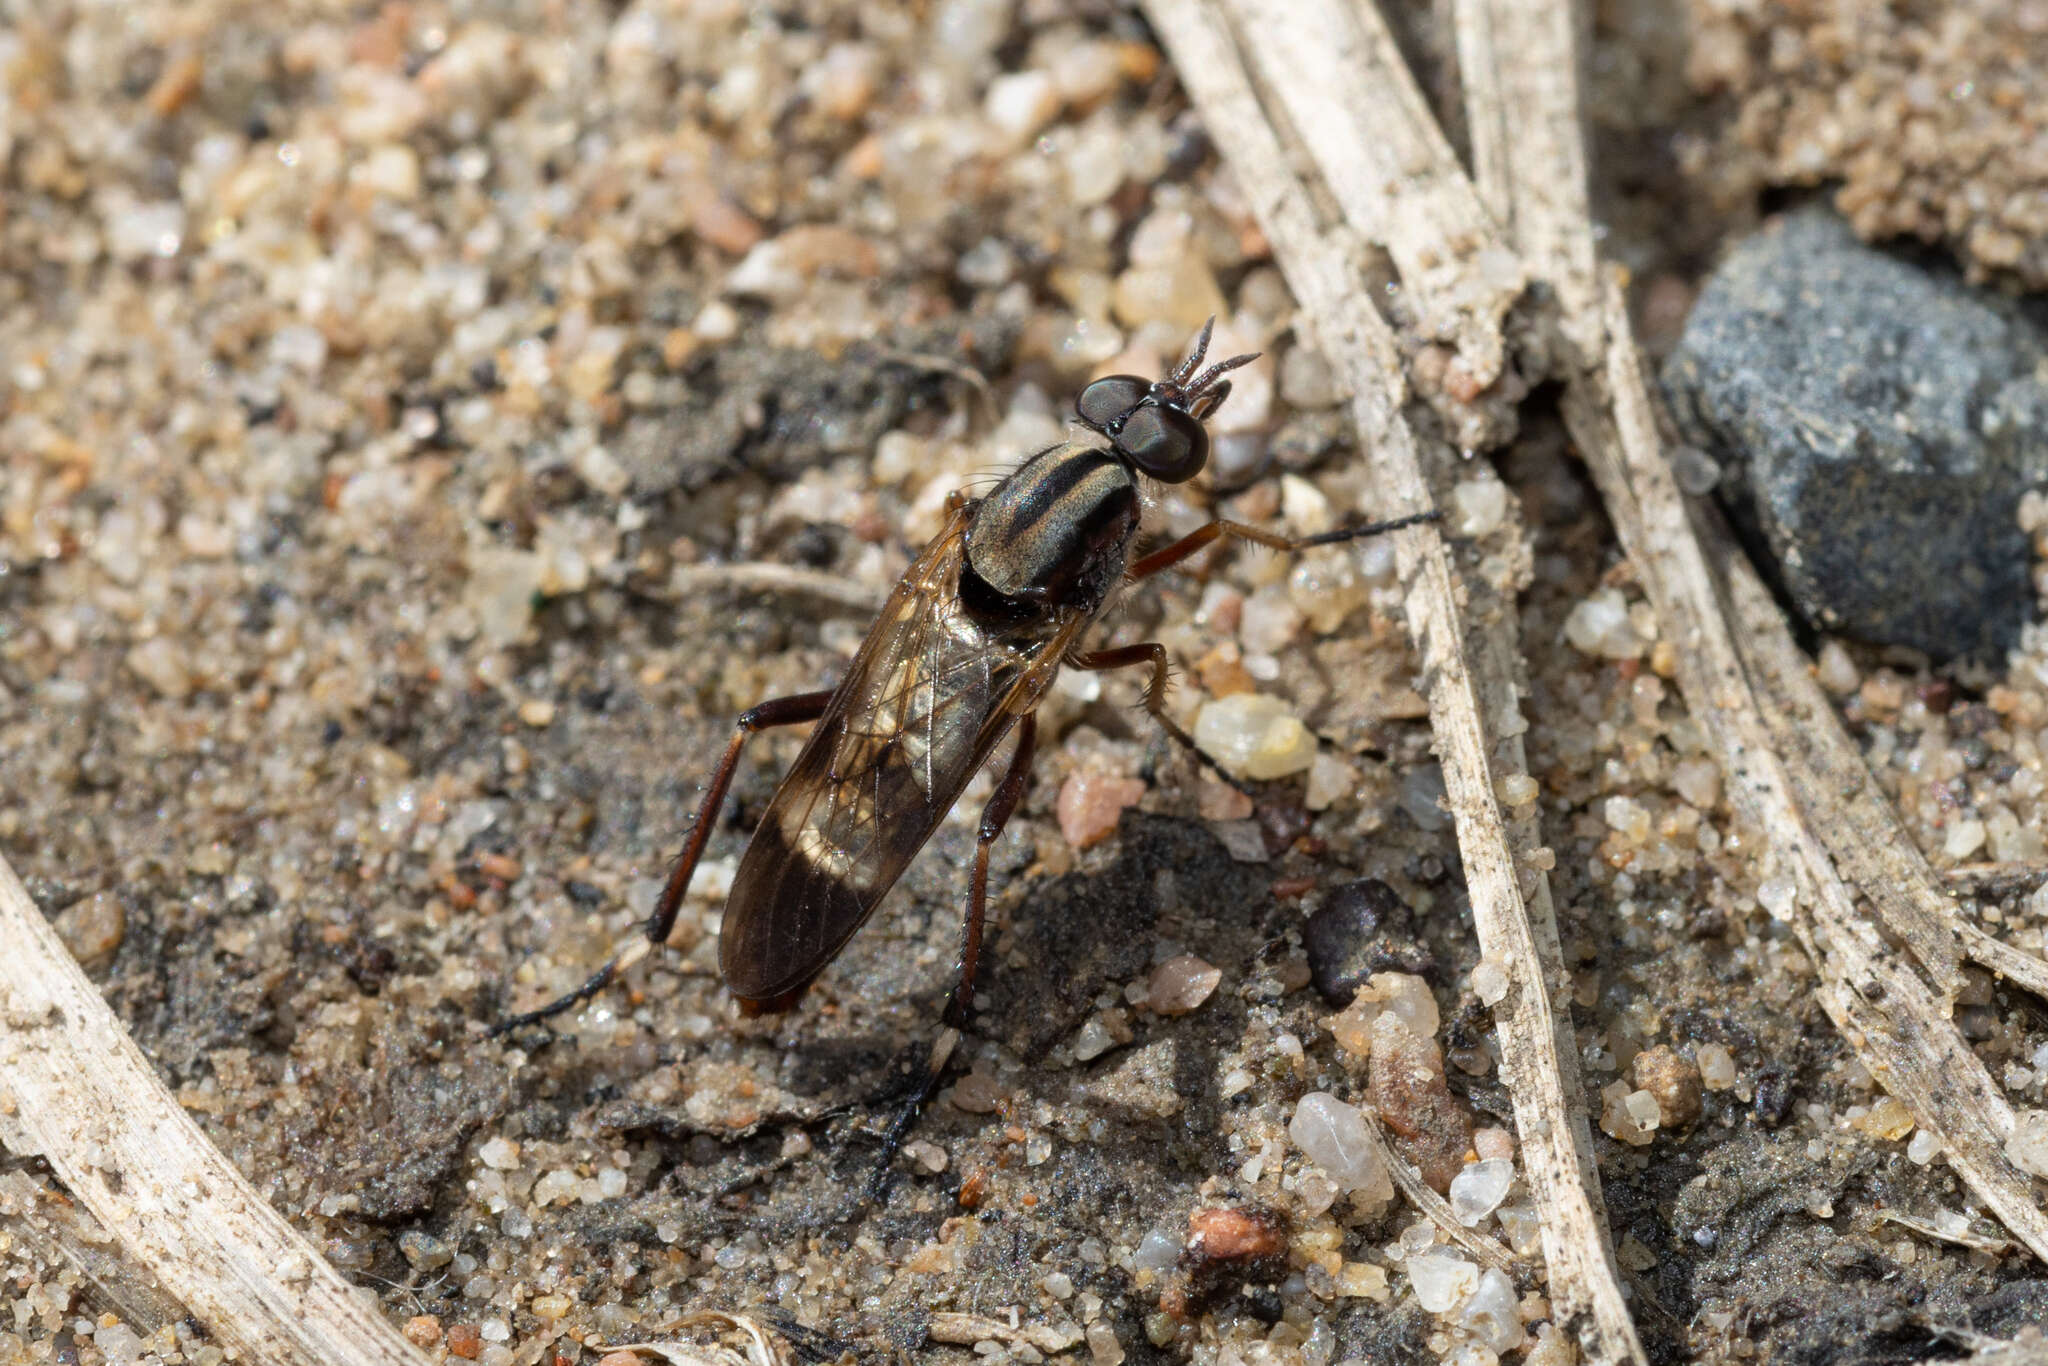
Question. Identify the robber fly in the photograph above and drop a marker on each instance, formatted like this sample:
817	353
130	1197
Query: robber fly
958	661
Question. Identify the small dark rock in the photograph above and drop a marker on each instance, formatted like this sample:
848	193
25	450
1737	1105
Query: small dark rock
1707	921
1877	423
1973	720
1773	1097
1365	927
1262	1302
248	896
1281	823
1305	440
50	895
813	545
811	1344
369	964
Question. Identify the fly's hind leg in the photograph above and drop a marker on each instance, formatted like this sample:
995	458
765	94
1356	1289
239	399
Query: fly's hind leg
1001	805
780	711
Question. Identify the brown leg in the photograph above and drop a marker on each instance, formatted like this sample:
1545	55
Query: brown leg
1001	805
1153	653
1187	545
780	711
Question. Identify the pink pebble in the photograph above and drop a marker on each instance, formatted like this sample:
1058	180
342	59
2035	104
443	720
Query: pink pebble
1090	803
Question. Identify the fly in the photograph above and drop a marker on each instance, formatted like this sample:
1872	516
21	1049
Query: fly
958	661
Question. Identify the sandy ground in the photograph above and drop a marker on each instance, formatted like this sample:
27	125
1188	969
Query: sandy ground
384	391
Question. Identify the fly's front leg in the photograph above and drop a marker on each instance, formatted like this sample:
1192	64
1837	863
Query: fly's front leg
1187	545
1167	557
1152	653
780	711
995	815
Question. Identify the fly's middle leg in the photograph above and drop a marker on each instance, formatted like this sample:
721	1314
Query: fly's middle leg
995	815
780	711
1002	804
1166	558
1152	653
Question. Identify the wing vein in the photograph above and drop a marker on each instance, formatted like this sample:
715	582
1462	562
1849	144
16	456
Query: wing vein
931	693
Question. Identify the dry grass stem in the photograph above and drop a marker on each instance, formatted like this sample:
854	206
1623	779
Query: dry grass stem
1792	770
79	1093
965	1330
1958	1237
1336	71
51	1227
1517	68
764	1347
769	577
1894	1017
2002	879
2029	1348
1995	955
1463	627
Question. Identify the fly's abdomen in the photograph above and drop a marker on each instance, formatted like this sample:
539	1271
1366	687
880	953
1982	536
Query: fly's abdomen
918	712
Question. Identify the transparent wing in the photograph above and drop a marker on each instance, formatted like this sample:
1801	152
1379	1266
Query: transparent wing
927	699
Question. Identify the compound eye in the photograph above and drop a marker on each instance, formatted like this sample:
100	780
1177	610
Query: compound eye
1165	443
1109	398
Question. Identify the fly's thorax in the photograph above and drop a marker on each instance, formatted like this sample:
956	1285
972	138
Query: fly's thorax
1056	532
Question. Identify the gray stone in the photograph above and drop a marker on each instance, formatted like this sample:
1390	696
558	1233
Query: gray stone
1876	423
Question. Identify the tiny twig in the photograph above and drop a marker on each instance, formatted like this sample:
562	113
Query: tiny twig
765	1346
984	392
1336	68
2010	877
1927	1228
2027	1349
965	1330
1433	1206
766	576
